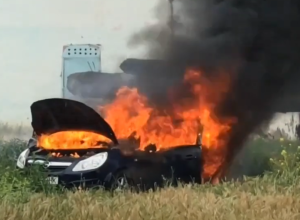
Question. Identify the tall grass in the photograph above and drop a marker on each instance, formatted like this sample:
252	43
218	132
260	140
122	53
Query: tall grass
269	188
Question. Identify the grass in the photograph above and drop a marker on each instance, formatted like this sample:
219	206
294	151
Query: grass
271	190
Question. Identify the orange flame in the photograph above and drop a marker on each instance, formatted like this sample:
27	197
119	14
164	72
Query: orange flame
75	155
130	112
177	125
74	140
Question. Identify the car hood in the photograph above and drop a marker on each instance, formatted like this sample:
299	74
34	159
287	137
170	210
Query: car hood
53	115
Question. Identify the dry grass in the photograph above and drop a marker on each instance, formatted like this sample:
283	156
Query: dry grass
276	195
230	202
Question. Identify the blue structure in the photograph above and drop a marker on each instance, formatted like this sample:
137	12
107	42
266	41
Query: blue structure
79	58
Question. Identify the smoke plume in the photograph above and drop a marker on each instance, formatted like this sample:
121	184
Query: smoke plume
256	42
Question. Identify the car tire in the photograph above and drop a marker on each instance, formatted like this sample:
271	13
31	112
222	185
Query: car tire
121	181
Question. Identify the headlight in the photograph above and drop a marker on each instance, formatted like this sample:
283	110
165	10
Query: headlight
91	163
22	159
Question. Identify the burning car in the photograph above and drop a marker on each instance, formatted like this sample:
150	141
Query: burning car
74	145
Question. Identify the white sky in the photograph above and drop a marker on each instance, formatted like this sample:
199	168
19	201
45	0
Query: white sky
33	33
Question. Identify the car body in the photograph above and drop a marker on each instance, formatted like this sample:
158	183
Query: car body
104	166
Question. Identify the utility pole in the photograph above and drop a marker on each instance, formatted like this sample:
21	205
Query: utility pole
171	21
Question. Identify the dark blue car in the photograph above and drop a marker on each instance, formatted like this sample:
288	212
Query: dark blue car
104	166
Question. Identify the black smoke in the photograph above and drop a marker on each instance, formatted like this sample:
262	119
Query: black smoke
259	39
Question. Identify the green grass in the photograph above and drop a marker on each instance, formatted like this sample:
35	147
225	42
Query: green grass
270	189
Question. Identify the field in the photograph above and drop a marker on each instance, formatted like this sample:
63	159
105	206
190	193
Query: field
271	190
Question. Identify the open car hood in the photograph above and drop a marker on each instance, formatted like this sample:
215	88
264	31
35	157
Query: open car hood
53	115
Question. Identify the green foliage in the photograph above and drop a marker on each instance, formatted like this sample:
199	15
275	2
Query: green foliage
286	164
15	184
254	159
263	161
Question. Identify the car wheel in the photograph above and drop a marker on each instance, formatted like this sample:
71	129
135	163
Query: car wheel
120	181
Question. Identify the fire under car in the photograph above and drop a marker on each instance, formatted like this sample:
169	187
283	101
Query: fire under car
107	163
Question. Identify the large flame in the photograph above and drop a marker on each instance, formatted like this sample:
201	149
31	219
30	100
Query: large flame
178	124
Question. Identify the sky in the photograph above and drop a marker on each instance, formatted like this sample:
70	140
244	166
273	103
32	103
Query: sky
33	33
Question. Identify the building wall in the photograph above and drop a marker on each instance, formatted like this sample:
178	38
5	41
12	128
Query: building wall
283	125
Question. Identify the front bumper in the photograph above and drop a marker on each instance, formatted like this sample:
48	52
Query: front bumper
86	179
64	176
